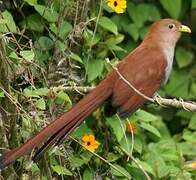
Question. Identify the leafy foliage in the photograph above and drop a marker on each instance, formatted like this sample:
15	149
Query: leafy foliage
51	45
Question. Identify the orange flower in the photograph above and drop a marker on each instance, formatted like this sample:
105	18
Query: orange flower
131	127
119	6
90	143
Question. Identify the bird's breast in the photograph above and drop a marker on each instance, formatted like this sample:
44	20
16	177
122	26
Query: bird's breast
169	55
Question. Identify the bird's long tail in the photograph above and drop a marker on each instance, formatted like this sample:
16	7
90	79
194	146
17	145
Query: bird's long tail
62	126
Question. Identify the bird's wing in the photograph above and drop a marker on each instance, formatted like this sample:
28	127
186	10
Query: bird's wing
145	70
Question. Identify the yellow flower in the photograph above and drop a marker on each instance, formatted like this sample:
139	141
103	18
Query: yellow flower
90	143
191	165
119	6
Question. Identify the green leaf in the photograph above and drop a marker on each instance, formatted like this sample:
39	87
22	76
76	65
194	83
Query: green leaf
61	170
61	45
86	156
172	7
126	143
41	91
14	56
114	39
138	13
91	39
47	12
88	174
63	30
174	171
120	22
193	90
42	57
145	166
27	55
108	24
7	22
138	146
192	123
81	131
145	116
26	122
114	47
33	22
62	98
184	114
193	4
133	30
178	85
162	170
30	93
143	12
94	68
76	161
124	173
111	157
114	123
2	94
157	162
40	104
143	32
153	14
189	136
166	149
75	57
31	2
183	57
150	128
45	43
187	148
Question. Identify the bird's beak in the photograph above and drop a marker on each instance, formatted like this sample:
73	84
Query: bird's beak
185	29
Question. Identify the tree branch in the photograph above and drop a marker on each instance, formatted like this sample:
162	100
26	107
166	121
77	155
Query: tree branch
186	105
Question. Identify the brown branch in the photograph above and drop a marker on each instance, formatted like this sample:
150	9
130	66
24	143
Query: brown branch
79	89
186	105
129	84
137	163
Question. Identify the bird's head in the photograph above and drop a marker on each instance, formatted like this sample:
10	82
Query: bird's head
168	31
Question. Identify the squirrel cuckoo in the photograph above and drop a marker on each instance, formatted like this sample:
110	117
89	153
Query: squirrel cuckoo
146	68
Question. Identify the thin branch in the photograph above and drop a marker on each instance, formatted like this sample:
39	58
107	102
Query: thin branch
130	154
188	106
81	89
128	83
124	131
137	163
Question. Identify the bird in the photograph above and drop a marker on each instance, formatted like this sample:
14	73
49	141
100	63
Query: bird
147	68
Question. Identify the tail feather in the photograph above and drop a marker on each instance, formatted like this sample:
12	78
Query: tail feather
61	135
56	139
61	127
52	140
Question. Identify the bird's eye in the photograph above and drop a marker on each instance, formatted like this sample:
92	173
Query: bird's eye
171	26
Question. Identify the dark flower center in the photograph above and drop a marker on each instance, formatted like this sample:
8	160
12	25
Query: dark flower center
115	3
88	143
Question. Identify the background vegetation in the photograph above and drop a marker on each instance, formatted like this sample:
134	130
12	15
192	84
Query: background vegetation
48	48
